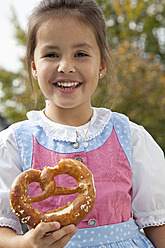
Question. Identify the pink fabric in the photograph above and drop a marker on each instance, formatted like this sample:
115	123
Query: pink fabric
112	176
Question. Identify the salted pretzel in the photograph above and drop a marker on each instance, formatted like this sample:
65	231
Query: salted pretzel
72	213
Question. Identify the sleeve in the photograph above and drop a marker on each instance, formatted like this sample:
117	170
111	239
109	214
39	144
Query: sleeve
10	167
148	184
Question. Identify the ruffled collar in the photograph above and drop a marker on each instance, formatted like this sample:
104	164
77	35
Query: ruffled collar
100	118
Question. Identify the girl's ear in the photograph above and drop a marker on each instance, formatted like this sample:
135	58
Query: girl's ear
34	70
103	68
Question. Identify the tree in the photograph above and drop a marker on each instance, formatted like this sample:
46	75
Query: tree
17	96
142	89
134	34
140	21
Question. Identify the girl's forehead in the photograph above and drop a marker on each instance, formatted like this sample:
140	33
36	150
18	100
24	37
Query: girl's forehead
61	22
68	28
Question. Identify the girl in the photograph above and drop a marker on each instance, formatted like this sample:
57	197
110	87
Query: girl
67	54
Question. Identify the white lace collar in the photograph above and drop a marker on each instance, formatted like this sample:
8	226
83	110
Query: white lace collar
100	118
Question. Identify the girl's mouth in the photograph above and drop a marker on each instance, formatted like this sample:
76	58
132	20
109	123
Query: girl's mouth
67	85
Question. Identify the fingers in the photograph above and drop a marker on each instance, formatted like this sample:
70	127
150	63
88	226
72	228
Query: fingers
63	241
50	235
35	237
43	228
61	237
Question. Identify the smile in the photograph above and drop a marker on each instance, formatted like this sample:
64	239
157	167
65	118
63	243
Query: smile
67	85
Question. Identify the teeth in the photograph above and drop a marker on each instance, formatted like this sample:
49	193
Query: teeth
67	84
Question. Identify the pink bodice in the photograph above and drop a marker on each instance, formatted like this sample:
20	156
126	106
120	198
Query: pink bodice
112	177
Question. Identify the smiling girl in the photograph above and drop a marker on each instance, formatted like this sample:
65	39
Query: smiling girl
68	69
67	53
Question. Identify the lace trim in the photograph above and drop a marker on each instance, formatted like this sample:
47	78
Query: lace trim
147	221
99	120
17	230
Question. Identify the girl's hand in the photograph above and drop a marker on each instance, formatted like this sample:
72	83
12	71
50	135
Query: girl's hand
48	235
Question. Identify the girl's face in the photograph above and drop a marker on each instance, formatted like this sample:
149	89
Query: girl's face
67	62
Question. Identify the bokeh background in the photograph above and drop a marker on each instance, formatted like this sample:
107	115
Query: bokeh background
136	36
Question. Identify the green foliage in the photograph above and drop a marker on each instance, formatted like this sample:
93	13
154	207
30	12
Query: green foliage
139	54
140	21
19	33
142	89
17	96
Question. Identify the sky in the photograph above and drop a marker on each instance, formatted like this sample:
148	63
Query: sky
10	51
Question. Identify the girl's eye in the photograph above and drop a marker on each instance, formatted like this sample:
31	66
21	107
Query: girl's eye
51	55
81	54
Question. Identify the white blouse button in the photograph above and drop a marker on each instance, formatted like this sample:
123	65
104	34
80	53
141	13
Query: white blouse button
91	222
76	145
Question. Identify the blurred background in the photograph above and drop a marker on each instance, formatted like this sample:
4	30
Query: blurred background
136	36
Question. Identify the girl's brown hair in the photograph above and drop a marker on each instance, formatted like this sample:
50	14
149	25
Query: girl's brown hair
86	11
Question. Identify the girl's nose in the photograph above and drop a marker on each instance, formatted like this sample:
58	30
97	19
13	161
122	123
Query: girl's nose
66	66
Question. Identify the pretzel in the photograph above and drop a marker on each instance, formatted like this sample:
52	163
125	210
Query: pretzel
72	213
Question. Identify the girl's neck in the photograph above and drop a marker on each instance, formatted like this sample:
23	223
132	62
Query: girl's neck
70	117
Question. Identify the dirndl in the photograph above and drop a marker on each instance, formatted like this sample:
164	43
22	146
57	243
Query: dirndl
122	235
